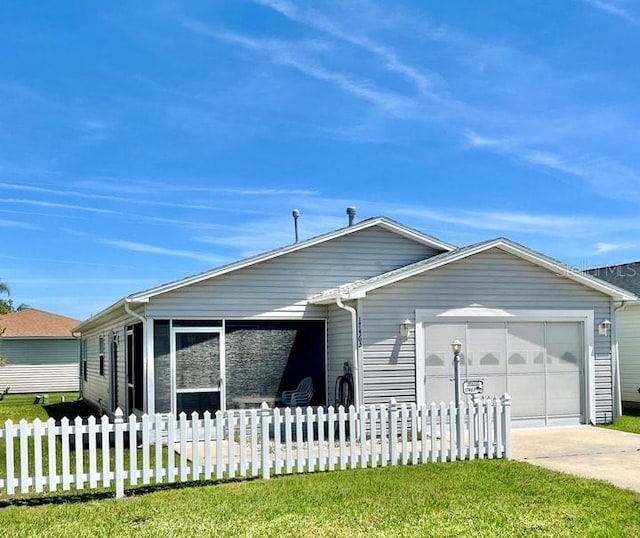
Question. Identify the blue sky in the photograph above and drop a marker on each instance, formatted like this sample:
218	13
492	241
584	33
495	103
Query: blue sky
141	142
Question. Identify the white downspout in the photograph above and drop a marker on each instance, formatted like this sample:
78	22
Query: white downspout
617	402
354	346
143	320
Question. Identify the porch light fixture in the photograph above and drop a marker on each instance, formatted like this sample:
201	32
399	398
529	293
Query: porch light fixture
604	328
405	328
456	346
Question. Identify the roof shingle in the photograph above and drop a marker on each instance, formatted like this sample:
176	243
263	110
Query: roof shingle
32	322
625	275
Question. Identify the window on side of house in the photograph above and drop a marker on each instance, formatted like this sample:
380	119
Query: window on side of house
83	357
101	348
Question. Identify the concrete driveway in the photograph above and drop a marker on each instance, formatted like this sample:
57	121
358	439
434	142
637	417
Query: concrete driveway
584	451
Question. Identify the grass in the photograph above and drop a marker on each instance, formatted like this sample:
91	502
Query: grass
628	422
481	498
19	406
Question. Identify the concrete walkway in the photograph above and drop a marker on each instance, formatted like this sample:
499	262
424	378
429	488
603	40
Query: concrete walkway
584	451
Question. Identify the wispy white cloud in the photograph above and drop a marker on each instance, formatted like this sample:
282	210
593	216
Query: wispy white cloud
83	280
608	177
613	8
171	185
136	200
255	236
134	246
48	261
424	81
5	223
292	55
141	197
43	203
605	247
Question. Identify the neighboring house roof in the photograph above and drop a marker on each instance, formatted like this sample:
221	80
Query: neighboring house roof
359	289
383	222
34	323
624	275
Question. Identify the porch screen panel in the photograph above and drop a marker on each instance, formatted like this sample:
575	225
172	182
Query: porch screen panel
263	358
197	360
162	366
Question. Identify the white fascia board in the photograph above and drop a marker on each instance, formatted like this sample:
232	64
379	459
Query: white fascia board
416	236
516	250
565	270
105	315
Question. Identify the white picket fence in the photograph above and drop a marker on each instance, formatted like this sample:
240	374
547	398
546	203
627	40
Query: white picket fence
100	453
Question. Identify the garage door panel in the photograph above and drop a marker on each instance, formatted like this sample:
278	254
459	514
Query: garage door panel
440	389
486	349
564	389
437	344
563	347
525	342
494	385
527	395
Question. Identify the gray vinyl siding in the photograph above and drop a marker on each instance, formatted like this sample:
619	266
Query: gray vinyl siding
96	390
492	279
40	365
339	347
628	329
278	288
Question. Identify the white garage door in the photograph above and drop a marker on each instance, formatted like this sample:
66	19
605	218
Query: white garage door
540	365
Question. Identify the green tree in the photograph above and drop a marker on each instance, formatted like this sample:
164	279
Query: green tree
6	305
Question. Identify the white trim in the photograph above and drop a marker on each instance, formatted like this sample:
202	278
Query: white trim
203	330
480	314
150	364
615	363
360	289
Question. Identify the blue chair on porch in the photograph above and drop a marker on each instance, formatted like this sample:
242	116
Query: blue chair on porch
299	397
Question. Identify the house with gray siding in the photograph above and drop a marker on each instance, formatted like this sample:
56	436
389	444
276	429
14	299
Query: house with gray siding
39	352
374	305
627	324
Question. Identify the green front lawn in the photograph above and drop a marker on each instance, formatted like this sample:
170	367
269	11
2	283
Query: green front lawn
629	422
19	406
481	498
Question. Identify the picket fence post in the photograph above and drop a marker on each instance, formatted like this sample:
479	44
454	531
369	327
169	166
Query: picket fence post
264	427
118	471
506	425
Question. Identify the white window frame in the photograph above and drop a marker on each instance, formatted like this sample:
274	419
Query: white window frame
488	315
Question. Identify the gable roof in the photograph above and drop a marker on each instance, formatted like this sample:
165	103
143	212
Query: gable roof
34	323
624	275
383	222
359	289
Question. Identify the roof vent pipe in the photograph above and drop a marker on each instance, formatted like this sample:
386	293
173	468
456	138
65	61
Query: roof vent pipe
295	214
351	211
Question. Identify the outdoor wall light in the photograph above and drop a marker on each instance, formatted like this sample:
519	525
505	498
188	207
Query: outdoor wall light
456	346
604	327
405	328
